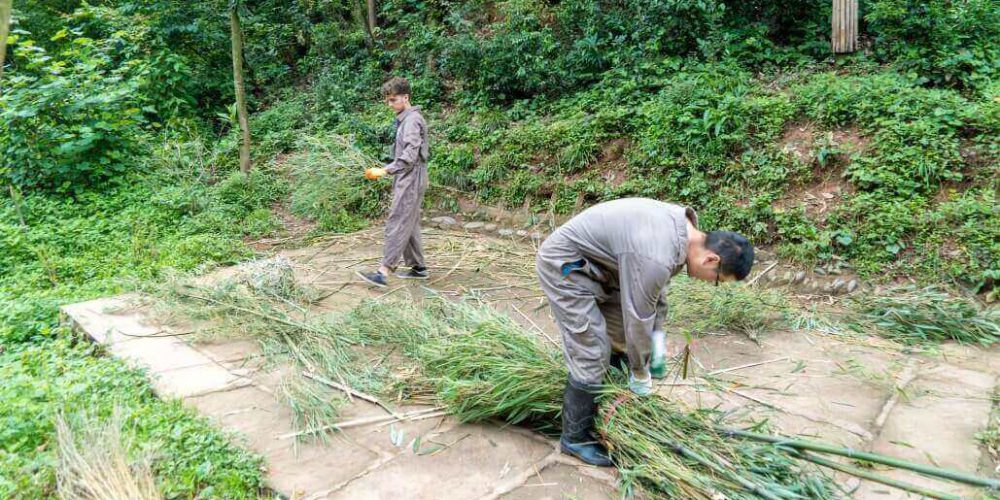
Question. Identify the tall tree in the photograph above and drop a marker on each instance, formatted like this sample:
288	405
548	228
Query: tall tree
5	7
359	15
241	94
372	20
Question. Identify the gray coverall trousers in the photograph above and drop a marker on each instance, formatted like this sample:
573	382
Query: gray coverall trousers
410	180
605	273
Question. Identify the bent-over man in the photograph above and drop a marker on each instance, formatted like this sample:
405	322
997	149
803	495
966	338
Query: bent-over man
605	273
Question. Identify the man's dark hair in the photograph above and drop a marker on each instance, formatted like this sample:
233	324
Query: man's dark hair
396	86
734	250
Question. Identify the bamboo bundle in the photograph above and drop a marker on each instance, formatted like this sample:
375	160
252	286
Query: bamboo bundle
481	365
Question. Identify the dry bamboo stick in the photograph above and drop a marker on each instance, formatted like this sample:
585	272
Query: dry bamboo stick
546	335
748	365
387	419
458	263
756	278
350	391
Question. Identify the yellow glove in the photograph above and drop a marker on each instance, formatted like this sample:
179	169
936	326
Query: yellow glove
374	174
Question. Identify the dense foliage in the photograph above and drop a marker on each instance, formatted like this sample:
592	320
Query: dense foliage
188	457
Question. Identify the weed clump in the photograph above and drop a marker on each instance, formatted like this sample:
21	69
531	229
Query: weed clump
94	461
928	315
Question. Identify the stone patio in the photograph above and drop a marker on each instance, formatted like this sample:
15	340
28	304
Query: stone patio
857	392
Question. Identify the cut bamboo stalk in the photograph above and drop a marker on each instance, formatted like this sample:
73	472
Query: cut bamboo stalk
744	482
871	476
927	470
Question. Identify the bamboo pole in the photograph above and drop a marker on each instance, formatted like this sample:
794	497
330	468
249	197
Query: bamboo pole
871	476
241	94
726	472
927	470
844	26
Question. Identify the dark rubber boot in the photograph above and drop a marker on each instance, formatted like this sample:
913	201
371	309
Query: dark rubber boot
619	360
579	409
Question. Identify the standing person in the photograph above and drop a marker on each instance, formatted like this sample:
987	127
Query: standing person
604	273
409	171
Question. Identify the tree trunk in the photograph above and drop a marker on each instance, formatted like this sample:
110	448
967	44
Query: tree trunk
5	7
372	20
359	15
241	95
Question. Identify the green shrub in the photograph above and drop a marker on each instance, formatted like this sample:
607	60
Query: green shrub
276	128
870	100
67	120
939	42
330	186
519	58
705	116
597	35
876	231
961	237
451	165
244	193
909	157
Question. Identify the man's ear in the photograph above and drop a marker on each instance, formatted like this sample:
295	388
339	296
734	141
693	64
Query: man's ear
711	258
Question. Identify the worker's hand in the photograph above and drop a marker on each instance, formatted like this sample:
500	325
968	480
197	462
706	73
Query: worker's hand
642	387
374	174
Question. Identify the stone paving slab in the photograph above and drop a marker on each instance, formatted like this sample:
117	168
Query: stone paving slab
227	382
478	457
560	482
933	422
93	317
176	369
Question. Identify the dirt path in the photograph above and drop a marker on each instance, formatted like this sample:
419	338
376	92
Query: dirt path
858	392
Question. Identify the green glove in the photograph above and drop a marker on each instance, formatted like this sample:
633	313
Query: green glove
658	361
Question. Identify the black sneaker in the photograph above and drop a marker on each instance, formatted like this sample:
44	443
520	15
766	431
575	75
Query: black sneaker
415	273
376	278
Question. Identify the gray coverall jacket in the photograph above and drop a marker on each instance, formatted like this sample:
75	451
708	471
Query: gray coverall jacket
605	273
409	171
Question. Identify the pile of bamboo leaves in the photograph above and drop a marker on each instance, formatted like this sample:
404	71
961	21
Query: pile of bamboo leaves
481	365
928	315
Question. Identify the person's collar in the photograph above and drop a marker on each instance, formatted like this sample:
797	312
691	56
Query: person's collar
402	114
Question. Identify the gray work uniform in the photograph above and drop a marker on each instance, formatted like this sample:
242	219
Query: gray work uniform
605	273
409	171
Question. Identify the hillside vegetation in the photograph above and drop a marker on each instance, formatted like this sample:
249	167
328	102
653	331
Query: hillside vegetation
118	152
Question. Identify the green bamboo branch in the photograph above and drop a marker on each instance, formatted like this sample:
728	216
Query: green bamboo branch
871	476
927	470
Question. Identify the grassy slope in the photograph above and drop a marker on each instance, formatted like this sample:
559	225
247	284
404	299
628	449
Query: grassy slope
100	244
917	168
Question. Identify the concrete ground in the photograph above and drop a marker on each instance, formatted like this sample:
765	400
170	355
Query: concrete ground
859	392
